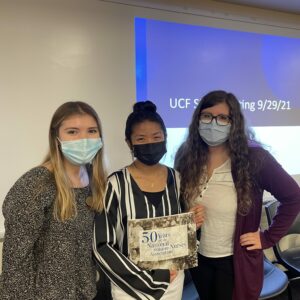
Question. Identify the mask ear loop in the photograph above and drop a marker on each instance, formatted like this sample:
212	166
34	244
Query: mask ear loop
131	149
132	153
59	143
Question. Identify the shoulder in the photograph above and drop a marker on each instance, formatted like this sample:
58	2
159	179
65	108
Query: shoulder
34	177
260	157
117	179
257	151
265	168
117	175
173	176
173	172
30	185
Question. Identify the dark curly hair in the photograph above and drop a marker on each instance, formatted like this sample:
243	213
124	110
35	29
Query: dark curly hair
192	156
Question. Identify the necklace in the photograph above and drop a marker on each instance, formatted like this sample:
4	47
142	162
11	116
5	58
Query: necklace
151	181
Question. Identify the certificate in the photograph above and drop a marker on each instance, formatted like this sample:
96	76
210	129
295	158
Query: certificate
163	242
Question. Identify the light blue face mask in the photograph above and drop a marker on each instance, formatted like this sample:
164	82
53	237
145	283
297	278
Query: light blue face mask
81	152
214	134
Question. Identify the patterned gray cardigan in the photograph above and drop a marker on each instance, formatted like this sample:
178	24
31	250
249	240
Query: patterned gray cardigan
42	257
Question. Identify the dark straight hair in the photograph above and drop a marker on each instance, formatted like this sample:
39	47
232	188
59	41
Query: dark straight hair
143	111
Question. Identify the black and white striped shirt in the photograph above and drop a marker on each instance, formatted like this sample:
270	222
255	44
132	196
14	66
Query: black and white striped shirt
124	200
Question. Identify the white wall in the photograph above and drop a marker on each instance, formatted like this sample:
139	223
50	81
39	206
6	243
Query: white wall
53	51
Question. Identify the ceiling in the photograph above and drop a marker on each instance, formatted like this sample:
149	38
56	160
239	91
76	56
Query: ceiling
283	6
289	6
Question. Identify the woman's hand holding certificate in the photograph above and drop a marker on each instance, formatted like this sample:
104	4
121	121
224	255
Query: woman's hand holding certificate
199	214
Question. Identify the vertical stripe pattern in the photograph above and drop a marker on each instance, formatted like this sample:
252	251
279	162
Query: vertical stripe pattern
124	200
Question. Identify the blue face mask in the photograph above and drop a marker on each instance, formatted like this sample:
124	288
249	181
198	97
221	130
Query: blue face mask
214	134
81	152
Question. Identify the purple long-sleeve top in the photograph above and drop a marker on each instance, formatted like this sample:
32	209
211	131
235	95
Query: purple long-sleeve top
248	264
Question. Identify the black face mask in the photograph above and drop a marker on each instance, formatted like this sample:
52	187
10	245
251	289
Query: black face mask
150	154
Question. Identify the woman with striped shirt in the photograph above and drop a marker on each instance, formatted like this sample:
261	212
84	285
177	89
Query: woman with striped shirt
144	189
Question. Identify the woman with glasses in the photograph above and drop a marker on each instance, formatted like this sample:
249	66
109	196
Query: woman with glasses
223	168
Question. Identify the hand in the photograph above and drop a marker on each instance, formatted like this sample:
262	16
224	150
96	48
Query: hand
198	211
251	239
173	274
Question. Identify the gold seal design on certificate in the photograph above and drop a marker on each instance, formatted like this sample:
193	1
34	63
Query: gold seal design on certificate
164	242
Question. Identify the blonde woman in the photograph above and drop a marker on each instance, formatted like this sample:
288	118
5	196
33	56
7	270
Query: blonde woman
49	213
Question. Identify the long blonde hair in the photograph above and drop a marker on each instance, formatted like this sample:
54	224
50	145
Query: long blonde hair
65	205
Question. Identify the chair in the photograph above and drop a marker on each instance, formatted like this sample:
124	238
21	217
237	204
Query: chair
189	289
289	258
275	281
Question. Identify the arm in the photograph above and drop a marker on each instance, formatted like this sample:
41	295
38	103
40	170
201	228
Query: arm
282	186
23	215
136	282
197	209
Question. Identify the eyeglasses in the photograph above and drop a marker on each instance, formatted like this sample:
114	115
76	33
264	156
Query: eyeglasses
222	120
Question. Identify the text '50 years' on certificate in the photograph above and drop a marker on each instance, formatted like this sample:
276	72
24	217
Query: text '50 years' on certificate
163	242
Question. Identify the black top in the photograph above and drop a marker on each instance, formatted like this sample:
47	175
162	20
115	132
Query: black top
154	197
125	200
